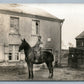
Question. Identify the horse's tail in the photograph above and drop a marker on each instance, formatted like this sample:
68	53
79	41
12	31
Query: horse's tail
52	56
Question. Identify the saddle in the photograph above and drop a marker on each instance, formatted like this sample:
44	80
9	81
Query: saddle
37	55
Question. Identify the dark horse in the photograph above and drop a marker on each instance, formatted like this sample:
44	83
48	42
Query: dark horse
45	57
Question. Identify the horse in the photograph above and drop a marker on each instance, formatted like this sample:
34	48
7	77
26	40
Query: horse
45	57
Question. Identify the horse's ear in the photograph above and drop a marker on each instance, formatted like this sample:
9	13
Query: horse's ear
24	39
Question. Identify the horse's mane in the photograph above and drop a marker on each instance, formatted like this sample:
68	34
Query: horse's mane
27	45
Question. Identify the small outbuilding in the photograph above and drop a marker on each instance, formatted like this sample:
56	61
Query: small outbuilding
76	55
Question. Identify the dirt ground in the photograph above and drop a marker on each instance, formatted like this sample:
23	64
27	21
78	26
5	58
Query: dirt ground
60	74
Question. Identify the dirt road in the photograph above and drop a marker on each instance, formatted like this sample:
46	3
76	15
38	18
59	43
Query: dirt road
60	74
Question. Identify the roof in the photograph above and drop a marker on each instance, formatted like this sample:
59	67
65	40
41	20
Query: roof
27	10
80	36
75	48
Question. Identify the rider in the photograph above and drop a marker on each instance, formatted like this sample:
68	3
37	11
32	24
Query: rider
37	48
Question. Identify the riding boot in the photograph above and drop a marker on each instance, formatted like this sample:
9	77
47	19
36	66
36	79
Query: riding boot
35	54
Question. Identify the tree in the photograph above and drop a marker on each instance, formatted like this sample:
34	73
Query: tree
70	44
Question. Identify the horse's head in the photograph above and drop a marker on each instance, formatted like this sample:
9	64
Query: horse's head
23	45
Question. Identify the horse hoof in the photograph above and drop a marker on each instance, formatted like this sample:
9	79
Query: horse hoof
50	77
30	78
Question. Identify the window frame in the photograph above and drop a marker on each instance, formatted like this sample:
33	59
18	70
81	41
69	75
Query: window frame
13	53
16	29
36	34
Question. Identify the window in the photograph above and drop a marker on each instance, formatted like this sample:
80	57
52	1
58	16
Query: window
16	53
10	56
79	43
82	43
13	52
14	25
10	52
35	27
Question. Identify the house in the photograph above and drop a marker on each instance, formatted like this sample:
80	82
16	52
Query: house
80	40
29	24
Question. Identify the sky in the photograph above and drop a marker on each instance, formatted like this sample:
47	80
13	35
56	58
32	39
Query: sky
74	20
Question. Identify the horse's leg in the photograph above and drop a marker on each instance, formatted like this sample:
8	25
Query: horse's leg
51	70
50	67
28	70
31	70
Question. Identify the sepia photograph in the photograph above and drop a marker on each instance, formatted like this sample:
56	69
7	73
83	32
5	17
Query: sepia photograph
41	42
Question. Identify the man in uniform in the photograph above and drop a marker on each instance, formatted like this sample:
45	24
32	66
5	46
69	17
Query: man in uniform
37	48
